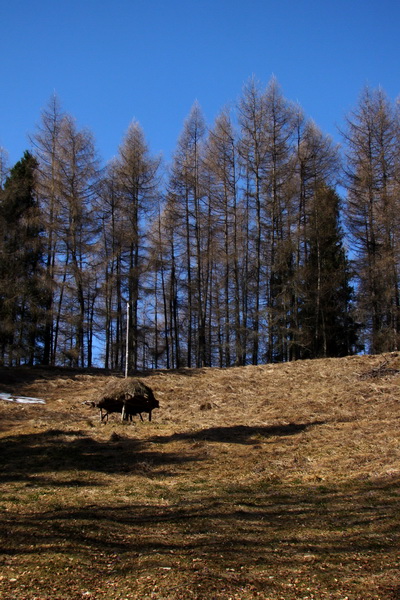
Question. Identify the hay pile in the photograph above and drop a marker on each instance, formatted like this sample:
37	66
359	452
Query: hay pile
118	389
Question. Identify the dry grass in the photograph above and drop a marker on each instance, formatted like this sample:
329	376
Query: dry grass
271	482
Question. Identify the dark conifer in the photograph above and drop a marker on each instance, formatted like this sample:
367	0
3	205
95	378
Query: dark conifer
22	294
327	325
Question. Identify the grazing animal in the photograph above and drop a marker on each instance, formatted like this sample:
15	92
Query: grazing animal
108	405
129	397
137	405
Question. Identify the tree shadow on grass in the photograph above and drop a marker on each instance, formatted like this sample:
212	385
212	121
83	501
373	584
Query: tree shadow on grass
239	434
343	533
308	517
24	456
56	450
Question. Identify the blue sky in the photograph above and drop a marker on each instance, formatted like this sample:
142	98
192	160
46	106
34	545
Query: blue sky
114	61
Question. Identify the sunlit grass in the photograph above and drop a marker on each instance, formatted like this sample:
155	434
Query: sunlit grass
287	488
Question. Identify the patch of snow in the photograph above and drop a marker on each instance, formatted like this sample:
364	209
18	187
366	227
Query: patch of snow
21	399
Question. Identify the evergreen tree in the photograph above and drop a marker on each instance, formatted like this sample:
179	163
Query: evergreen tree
327	327
22	295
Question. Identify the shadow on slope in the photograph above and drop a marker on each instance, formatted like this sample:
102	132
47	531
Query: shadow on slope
58	450
239	434
24	456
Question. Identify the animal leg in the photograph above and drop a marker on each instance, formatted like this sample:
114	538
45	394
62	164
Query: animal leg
103	417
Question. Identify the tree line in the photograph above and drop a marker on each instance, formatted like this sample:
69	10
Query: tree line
241	251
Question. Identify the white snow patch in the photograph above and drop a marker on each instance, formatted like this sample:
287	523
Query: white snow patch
21	399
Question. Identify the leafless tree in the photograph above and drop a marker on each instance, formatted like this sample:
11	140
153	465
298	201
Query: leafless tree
372	209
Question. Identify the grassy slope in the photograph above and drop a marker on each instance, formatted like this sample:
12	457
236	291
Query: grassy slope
272	482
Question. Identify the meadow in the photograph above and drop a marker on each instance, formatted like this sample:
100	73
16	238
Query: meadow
276	482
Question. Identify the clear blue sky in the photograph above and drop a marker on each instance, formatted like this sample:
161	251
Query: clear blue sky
113	61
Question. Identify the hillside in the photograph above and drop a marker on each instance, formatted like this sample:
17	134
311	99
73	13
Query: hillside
274	482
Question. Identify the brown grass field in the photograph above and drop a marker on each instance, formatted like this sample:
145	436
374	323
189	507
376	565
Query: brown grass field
276	482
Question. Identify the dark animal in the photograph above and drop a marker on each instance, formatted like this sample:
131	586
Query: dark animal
129	397
137	405
108	406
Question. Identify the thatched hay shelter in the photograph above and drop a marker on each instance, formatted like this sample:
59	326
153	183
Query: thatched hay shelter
125	389
128	396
